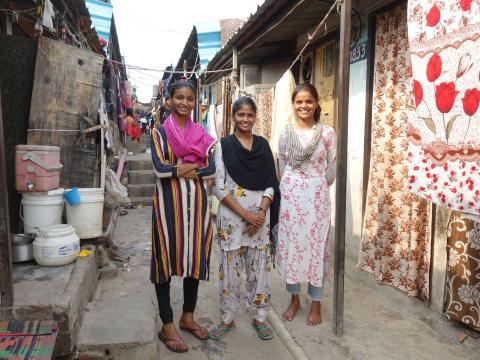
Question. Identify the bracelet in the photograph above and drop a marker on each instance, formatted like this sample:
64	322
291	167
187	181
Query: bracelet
262	209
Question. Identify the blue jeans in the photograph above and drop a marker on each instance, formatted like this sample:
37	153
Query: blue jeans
315	292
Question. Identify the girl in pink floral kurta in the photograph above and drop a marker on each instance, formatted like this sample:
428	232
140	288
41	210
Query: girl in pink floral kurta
306	173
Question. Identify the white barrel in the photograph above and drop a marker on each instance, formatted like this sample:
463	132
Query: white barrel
41	209
56	245
87	216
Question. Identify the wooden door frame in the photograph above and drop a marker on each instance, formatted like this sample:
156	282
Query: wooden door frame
6	282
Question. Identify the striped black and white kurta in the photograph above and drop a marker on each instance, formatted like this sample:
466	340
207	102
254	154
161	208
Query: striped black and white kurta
182	228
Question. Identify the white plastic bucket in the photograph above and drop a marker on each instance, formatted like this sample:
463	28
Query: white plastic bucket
87	217
56	245
41	210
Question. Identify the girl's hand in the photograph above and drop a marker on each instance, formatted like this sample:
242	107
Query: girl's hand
255	219
185	168
250	230
192	175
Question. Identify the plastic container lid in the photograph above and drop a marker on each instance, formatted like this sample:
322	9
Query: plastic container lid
37	148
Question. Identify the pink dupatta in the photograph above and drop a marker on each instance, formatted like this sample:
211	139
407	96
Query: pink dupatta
191	144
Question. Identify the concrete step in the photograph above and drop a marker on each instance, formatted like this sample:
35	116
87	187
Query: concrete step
120	323
136	148
139	165
140	190
145	201
141	177
56	293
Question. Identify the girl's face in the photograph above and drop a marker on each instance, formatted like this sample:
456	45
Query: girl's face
304	105
244	118
183	101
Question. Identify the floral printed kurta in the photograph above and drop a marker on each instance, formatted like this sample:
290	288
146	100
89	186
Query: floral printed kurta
305	210
230	226
240	251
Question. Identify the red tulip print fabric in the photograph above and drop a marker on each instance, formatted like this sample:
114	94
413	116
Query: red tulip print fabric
444	123
396	230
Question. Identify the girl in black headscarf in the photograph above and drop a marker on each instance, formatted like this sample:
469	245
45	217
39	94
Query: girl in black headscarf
247	187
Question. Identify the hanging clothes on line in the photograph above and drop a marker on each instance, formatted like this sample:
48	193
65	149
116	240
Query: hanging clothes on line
444	124
282	112
462	287
218	116
211	122
227	106
263	125
396	243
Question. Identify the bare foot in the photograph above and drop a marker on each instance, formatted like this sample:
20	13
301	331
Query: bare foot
290	313
315	316
188	323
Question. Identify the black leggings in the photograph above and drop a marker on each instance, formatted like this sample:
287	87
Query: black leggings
190	292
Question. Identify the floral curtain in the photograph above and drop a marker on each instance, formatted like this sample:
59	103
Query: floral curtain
444	123
396	233
263	126
462	293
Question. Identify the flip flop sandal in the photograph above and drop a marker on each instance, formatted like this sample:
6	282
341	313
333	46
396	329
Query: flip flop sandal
165	341
264	332
219	332
194	332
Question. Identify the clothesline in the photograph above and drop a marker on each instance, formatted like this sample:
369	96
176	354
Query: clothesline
136	67
336	4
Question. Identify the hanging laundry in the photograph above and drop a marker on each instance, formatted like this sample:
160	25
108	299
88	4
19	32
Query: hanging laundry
396	233
282	112
444	124
218	114
263	125
462	288
48	15
211	122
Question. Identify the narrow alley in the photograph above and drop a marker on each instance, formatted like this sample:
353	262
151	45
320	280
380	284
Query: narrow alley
264	179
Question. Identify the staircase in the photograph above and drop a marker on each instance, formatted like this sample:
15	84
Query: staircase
141	178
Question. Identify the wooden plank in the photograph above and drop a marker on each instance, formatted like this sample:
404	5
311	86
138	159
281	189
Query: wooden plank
6	285
67	87
342	158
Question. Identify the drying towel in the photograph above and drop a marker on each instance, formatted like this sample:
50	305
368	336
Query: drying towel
282	113
444	123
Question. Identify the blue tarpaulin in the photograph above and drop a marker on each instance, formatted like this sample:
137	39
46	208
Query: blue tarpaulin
209	41
101	16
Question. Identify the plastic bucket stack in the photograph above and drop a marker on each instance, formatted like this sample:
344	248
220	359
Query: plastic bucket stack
41	210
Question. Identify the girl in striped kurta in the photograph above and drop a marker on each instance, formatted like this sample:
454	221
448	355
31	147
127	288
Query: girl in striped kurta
181	224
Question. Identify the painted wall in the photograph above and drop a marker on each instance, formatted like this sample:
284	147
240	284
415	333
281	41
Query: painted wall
271	73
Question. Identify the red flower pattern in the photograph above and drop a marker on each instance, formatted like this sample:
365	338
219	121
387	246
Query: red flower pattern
418	92
470	101
465	4
433	16
445	95
434	67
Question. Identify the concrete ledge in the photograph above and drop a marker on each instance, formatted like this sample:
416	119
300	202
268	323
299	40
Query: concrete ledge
57	293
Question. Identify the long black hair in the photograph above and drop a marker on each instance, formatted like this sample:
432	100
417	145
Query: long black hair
244	101
180	84
313	91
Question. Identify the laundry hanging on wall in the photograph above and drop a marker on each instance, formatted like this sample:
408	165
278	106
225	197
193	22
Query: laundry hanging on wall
444	124
396	232
263	125
282	112
211	122
462	287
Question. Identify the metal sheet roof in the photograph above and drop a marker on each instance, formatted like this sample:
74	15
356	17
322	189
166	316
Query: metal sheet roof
101	15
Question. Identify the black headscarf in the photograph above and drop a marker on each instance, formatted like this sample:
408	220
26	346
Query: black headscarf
253	170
